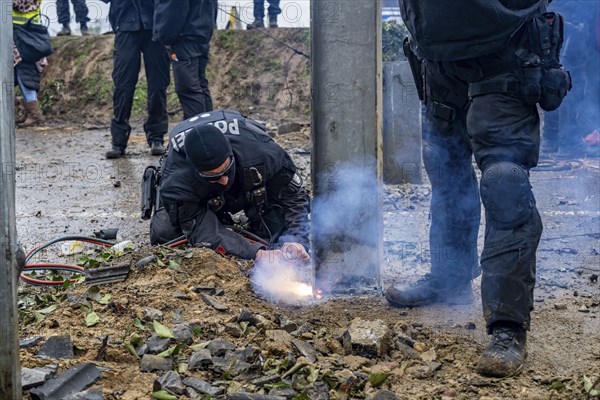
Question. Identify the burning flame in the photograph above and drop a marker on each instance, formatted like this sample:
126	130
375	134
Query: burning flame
300	289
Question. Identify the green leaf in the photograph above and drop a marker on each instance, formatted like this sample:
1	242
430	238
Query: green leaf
92	319
378	378
557	385
199	346
136	340
277	385
161	330
313	375
302	396
163	395
174	264
160	263
93	293
172	351
138	324
588	385
105	299
131	349
48	310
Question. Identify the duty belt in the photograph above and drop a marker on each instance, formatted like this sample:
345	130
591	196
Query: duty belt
495	86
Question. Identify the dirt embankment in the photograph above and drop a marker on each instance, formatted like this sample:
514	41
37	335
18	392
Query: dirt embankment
247	71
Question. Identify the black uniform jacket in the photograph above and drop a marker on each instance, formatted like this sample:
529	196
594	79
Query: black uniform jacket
130	15
176	20
451	30
187	198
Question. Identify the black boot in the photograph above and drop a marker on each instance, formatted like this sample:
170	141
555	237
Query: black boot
273	21
115	152
427	291
65	31
258	23
157	149
505	355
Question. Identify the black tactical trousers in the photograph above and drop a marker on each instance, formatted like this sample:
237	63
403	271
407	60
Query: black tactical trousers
493	127
259	8
191	85
126	68
64	15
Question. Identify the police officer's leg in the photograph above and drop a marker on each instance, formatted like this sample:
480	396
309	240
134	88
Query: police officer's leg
81	12
259	9
126	67
455	208
156	63
161	229
202	64
63	13
274	9
505	139
187	86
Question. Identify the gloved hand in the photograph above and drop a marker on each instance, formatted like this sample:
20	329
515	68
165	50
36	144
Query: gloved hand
290	252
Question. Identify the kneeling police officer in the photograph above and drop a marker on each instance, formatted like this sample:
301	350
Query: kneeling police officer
221	163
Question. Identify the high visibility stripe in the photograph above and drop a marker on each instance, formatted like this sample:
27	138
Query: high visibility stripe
21	18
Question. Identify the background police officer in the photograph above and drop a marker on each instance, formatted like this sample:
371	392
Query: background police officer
131	21
481	74
185	28
219	164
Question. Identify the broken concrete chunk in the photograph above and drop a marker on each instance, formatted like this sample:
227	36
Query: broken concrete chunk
384	395
234	329
183	333
30	341
178	294
247	316
192	394
218	347
157	344
253	396
32	377
287	324
57	347
268	379
141	263
317	391
203	387
368	338
92	394
287	393
170	381
151	314
72	381
214	303
155	363
279	335
200	360
305	349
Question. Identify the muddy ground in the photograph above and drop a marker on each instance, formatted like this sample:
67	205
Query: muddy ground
65	186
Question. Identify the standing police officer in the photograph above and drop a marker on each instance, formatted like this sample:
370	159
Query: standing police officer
480	67
185	28
219	164
131	21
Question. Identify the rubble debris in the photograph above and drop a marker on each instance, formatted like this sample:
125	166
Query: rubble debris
560	306
30	341
368	338
103	275
247	316
151	363
142	262
32	377
305	349
152	314
157	344
92	394
107	234
72	381
214	303
183	333
253	396
57	347
170	381
384	395
203	387
200	360
218	347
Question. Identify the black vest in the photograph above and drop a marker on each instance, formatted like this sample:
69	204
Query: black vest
450	30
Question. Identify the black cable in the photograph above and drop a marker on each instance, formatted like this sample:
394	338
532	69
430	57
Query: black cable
264	32
268	230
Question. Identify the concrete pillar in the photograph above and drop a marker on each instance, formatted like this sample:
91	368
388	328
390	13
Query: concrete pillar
402	161
346	134
10	372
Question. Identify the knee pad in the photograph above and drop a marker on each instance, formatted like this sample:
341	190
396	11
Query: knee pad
506	194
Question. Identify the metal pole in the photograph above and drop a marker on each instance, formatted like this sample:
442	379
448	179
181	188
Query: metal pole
10	371
347	232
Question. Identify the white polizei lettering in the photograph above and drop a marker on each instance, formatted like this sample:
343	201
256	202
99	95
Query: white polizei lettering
221	125
194	118
178	140
234	127
205	115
